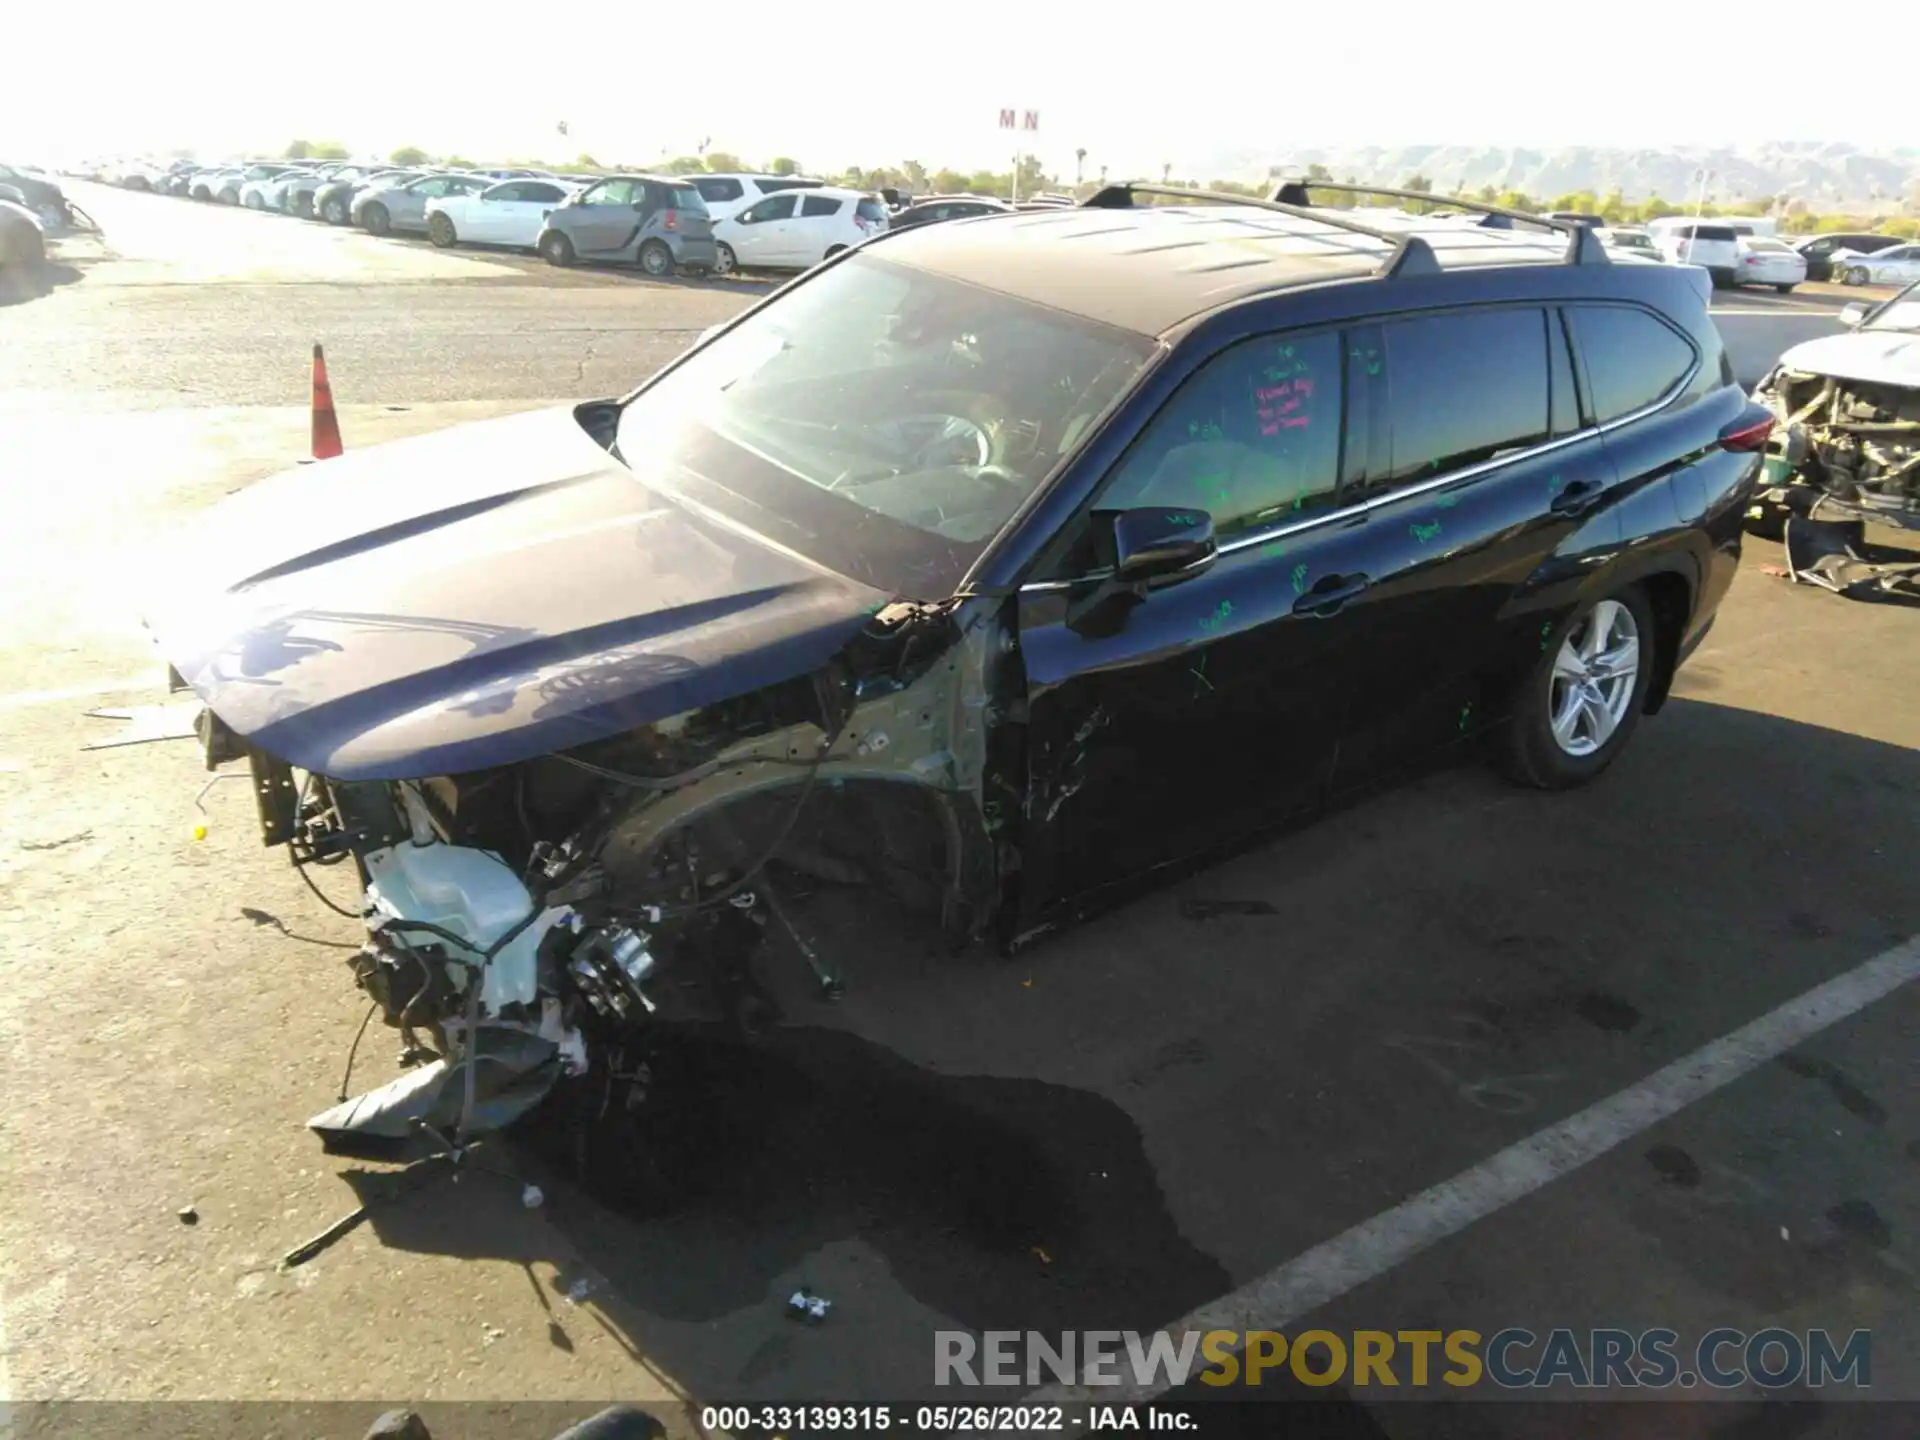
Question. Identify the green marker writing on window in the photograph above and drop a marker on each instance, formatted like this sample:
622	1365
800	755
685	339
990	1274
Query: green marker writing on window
1424	533
1300	579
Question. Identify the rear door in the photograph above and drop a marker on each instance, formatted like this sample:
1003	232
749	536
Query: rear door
519	222
822	223
1479	466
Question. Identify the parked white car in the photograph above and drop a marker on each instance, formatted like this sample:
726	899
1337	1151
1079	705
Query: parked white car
727	195
271	193
1899	265
510	213
1770	262
1709	244
798	228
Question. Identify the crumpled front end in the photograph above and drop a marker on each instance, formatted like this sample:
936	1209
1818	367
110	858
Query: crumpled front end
537	930
1845	454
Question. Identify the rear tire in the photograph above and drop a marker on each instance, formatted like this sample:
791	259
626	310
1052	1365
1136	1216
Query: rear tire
334	212
556	249
1578	708
376	219
725	262
1857	276
656	259
440	231
1784	289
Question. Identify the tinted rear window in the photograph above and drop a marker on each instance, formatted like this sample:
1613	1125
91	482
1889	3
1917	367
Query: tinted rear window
1711	232
1464	388
819	205
788	183
1632	359
719	190
870	210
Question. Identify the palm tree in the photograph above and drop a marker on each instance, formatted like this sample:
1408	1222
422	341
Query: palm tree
1079	164
1166	172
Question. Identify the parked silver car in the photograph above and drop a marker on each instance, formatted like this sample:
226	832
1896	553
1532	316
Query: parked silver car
384	207
658	222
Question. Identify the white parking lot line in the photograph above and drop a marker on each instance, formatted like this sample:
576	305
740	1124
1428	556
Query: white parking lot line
1373	1247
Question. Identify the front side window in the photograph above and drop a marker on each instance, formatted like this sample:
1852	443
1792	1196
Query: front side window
776	207
512	190
1464	388
1252	437
1632	359
880	419
609	192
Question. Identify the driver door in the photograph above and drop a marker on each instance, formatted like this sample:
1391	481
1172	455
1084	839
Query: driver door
760	233
606	218
1214	710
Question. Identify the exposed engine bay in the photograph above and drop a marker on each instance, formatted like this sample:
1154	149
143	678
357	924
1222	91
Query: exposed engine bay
1846	453
535	932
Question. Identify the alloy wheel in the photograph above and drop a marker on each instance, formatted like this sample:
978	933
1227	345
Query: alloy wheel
1593	677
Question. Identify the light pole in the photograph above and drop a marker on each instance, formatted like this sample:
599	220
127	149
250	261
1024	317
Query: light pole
1699	208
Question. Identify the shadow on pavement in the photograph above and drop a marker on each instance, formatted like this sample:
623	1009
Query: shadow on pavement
17	285
1746	858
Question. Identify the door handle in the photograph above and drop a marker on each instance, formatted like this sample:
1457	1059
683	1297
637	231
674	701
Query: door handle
1329	594
1577	498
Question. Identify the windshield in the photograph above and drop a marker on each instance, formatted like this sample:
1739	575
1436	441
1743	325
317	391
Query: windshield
1902	312
883	421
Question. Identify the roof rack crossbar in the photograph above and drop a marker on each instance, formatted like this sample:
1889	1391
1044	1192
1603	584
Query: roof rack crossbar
1411	255
1583	248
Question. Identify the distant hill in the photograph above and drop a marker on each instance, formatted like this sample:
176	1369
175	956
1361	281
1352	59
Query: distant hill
1822	173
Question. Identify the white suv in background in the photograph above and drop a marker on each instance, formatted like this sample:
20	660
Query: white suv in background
796	229
728	195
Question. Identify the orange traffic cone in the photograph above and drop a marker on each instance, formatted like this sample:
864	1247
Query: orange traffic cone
326	425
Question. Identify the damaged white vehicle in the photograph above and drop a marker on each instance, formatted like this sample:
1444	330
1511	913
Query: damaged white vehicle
1845	450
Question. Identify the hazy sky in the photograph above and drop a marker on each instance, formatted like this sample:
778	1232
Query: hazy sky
879	81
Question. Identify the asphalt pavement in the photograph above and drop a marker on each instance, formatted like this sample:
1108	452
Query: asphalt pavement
1295	1086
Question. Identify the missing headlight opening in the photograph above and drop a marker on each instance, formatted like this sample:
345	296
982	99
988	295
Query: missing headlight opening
1845	453
538	932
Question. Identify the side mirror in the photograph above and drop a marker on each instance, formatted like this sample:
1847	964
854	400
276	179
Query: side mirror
1143	547
1854	315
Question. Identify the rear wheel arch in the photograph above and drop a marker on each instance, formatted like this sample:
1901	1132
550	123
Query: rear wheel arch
1670	595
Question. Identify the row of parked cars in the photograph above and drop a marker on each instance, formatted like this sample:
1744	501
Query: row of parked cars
662	223
1734	254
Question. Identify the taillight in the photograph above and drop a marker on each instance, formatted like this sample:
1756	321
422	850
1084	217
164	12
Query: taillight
672	222
1748	434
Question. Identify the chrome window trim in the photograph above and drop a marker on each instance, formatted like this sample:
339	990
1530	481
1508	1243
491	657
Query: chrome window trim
1280	531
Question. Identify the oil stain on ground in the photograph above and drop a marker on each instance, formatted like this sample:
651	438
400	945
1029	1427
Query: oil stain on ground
999	1202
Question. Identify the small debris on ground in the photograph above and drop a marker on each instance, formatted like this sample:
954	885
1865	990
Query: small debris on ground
533	1197
801	1305
188	1215
491	1333
399	1425
1042	1256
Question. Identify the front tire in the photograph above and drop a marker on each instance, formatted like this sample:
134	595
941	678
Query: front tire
440	231
1578	708
725	262
656	259
556	249
1784	289
376	219
1857	276
334	212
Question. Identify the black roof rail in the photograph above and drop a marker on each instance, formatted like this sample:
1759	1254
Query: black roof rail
1411	255
1584	248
